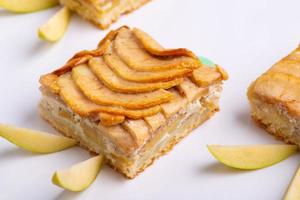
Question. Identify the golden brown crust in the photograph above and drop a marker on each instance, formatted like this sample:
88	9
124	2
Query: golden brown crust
175	105
191	91
83	57
123	71
50	82
107	119
116	83
134	55
102	15
156	49
294	55
278	88
112	86
71	94
280	84
222	71
100	94
205	76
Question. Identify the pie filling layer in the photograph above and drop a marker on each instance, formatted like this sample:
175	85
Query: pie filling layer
97	139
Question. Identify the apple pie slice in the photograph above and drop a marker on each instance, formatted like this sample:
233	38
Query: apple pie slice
275	99
102	12
130	99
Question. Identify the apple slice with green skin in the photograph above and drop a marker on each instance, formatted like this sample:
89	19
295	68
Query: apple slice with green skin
56	26
251	157
35	141
27	6
80	176
293	191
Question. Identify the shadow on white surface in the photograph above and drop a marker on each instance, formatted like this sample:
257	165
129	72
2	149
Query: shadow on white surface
40	46
113	175
5	13
14	153
66	195
244	117
220	169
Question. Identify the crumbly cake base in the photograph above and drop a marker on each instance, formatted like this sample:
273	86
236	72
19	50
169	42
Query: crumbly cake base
86	10
197	120
275	119
91	138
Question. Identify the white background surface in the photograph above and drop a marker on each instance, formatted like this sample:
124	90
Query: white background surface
245	37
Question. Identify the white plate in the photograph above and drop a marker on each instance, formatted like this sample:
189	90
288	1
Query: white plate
245	37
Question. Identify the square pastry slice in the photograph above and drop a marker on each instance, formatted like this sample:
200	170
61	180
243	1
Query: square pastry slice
102	12
130	99
275	99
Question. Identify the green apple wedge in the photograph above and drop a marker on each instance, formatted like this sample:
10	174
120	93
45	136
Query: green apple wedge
251	156
293	191
56	26
80	176
27	6
35	141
